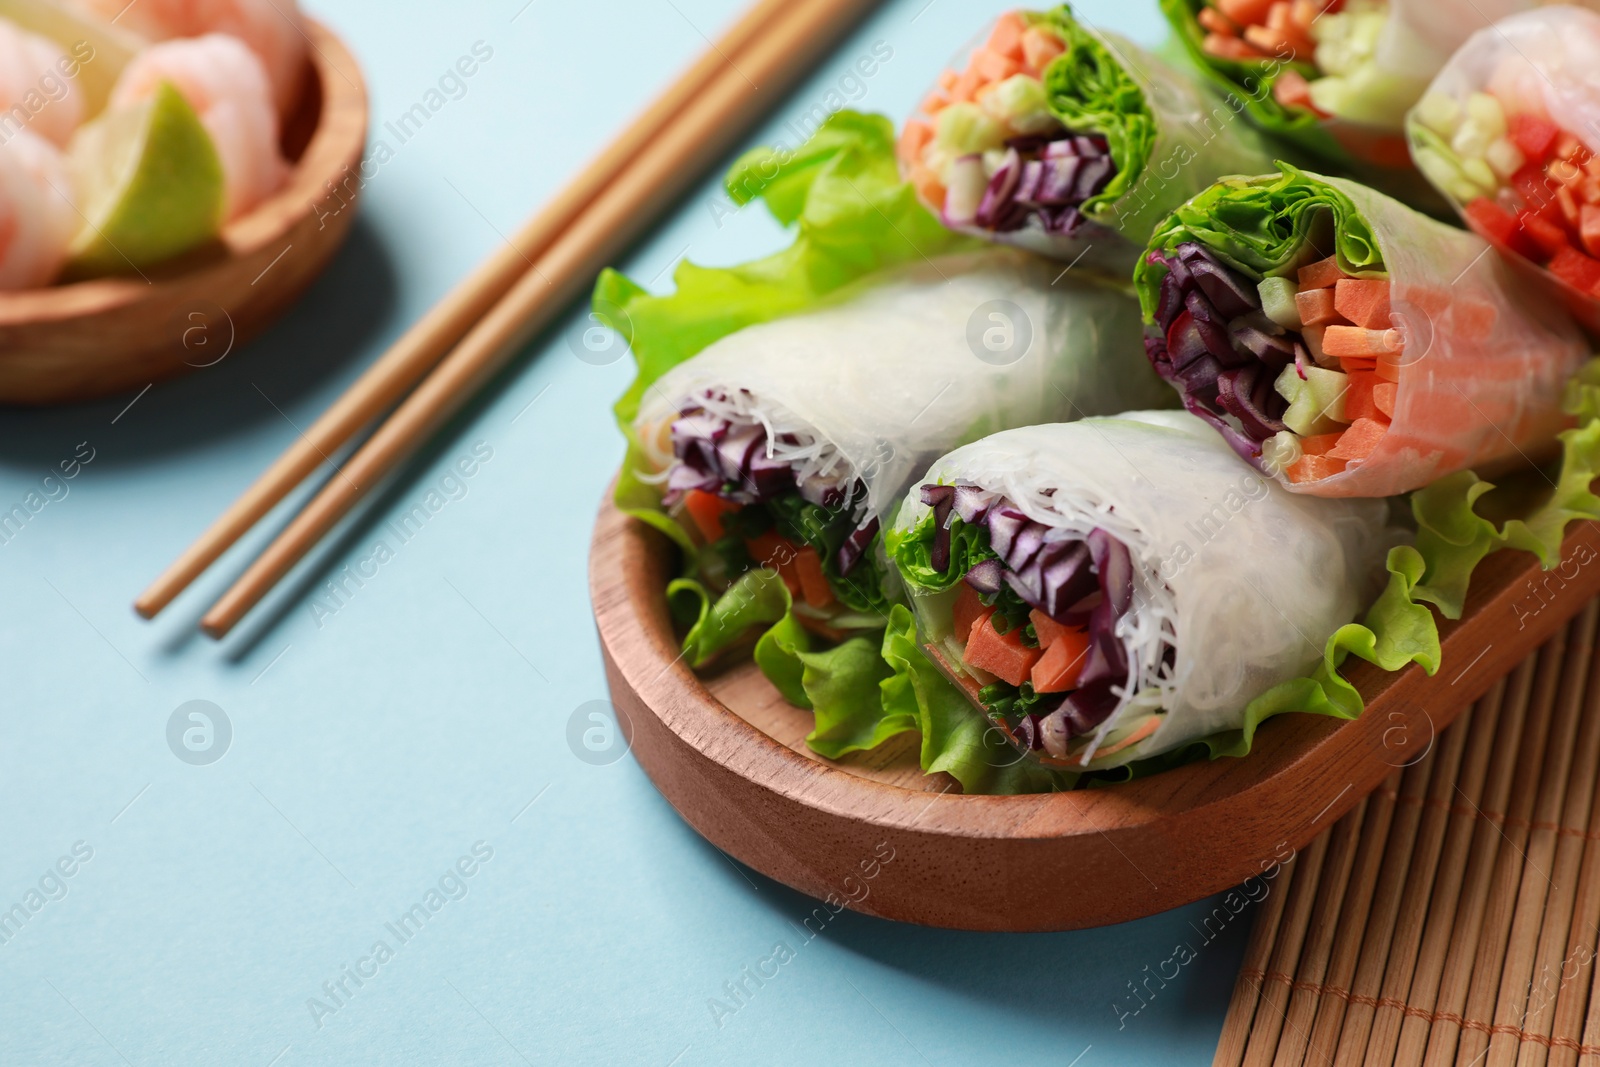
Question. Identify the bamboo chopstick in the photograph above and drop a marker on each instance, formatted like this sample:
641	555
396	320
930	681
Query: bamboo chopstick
705	129
425	343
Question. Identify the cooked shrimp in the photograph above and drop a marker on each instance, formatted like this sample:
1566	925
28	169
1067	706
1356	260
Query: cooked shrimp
225	83
37	221
270	28
34	93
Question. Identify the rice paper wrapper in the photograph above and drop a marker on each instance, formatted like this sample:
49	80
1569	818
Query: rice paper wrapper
895	373
1195	137
1487	357
1422	35
1487	353
1546	63
1367	140
1199	137
1245	580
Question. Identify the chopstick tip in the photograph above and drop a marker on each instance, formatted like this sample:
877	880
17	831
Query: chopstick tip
216	626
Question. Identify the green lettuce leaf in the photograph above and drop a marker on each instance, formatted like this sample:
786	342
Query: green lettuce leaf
854	217
1262	226
955	738
758	597
845	687
912	551
840	685
1090	91
1145	108
862	693
1396	631
1454	537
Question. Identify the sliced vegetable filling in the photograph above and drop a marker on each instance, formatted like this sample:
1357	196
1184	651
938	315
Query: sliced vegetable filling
990	154
751	509
1320	57
1034	624
1521	180
1298	368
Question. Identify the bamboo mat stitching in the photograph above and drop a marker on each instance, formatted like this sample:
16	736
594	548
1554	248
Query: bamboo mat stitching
1525	955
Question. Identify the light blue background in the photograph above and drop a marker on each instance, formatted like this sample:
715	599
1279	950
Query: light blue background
374	743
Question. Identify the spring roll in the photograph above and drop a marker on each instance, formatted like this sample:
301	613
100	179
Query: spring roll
782	445
1334	78
1069	141
1116	588
1508	133
1347	345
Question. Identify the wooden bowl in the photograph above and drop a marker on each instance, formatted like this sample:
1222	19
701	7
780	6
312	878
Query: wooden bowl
873	833
91	339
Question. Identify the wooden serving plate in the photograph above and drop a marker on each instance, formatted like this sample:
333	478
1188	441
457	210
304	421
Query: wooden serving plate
730	755
95	338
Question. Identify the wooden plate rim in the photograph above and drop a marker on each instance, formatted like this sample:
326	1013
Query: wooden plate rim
1288	737
340	133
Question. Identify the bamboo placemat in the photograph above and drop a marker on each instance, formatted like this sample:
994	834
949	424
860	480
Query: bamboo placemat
1453	917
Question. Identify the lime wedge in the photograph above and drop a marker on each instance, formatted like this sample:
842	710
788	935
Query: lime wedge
148	182
97	49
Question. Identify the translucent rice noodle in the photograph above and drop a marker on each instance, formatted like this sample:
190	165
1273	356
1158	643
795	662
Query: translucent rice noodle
1244	580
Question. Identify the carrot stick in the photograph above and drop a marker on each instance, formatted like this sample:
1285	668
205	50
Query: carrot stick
1358	398
1321	274
1309	468
1317	307
1364	301
1362	343
1359	441
1319	444
1006	39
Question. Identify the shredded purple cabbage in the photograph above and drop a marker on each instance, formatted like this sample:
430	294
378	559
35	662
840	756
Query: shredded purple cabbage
1212	340
729	459
1087	583
1043	177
